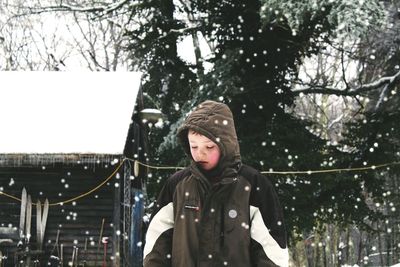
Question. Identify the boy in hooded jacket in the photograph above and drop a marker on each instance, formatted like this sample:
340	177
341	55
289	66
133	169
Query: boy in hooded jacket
218	211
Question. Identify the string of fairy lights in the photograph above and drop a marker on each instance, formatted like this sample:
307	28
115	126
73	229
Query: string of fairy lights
138	163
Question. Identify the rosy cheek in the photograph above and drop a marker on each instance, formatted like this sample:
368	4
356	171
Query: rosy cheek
214	157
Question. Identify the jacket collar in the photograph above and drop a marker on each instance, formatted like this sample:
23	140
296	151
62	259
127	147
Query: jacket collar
228	176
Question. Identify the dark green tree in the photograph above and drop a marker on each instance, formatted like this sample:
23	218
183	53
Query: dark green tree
256	48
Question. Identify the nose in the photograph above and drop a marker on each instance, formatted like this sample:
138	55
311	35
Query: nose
201	155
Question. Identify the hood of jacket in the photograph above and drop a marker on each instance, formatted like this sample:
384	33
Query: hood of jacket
215	121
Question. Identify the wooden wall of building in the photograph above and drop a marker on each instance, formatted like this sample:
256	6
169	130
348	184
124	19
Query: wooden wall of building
79	222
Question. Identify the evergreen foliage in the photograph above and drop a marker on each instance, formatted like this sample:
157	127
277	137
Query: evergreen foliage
256	48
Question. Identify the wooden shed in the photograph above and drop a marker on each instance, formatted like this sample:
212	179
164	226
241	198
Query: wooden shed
66	137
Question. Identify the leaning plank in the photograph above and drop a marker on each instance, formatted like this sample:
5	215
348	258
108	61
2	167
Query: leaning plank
22	215
28	219
39	224
44	221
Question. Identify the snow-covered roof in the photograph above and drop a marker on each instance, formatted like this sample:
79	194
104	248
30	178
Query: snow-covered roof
66	112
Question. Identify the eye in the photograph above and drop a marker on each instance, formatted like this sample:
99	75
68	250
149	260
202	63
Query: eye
193	147
210	147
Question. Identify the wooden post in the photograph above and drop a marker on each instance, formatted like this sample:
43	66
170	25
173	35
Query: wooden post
136	228
117	227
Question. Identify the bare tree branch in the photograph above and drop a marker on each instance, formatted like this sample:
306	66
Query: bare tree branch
388	81
343	69
104	9
180	31
390	85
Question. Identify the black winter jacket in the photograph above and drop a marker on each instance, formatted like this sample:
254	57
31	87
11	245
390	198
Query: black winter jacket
236	221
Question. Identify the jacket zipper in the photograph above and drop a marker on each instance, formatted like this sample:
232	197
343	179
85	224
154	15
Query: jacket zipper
222	234
194	208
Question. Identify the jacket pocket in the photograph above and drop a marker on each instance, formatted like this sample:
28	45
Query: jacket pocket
191	209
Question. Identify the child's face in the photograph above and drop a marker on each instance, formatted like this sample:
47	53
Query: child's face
204	151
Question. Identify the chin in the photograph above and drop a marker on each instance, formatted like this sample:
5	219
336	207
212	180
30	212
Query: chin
209	168
205	167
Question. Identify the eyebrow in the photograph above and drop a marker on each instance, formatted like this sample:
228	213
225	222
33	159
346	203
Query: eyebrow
205	142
